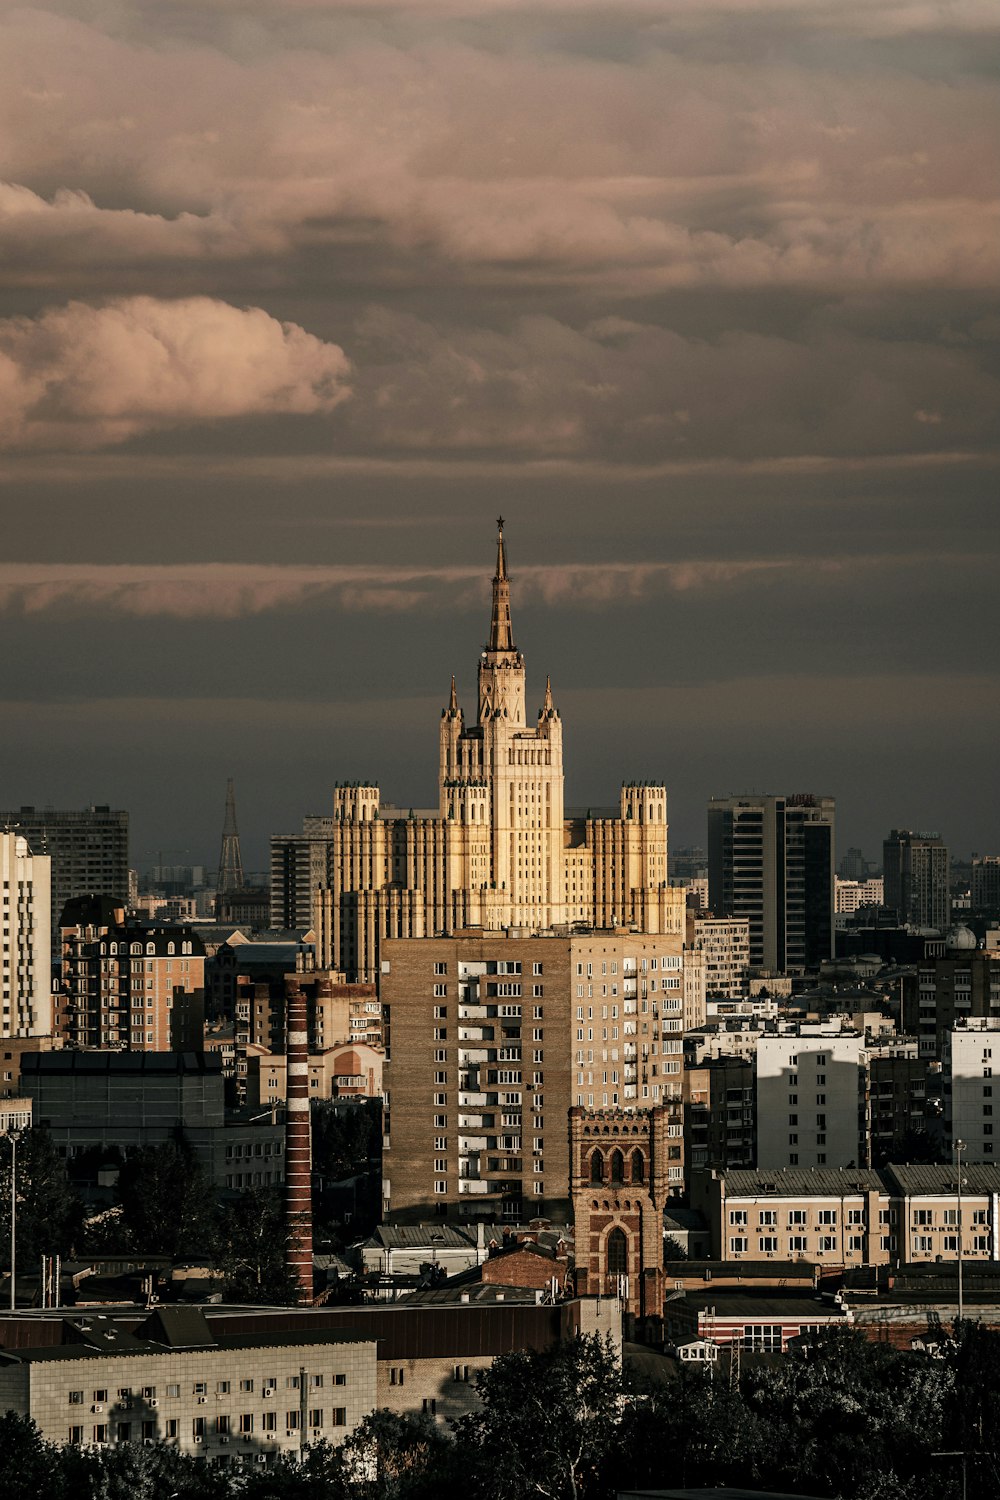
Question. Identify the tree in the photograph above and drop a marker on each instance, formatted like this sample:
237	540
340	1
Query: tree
549	1421
168	1201
254	1239
49	1211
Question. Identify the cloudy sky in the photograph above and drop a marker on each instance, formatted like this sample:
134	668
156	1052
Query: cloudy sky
702	294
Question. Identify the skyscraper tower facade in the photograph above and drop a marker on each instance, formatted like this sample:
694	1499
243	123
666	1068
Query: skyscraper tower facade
916	871
771	861
88	850
499	851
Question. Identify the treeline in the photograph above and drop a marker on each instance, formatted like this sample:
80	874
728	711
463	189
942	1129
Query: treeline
851	1420
165	1203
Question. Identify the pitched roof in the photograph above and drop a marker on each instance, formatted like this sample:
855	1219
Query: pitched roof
803	1182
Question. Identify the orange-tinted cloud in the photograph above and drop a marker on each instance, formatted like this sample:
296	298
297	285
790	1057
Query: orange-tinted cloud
81	377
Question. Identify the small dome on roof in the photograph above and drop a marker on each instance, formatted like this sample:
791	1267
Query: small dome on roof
961	939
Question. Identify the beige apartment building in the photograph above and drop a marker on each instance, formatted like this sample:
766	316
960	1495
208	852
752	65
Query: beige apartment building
499	851
851	1217
128	985
493	1038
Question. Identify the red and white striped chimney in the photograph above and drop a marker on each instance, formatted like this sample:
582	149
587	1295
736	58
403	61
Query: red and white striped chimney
298	1141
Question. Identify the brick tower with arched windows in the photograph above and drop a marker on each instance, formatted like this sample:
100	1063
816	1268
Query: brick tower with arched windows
619	1180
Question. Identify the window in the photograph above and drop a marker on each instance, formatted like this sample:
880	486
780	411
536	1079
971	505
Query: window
198	1427
827	1243
338	1417
828	1216
76	1398
923	1216
768	1244
397	1375
222	1423
461	1373
768	1217
246	1423
797	1242
430	1406
737	1216
923	1243
269	1421
76	1434
315	1416
440	968
797	1216
617	1252
246	1385
292	1420
738	1245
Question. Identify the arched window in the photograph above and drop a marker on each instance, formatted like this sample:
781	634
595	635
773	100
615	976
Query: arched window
597	1167
617	1167
150	947
617	1252
638	1167
170	948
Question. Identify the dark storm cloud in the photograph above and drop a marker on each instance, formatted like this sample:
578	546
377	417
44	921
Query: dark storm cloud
702	293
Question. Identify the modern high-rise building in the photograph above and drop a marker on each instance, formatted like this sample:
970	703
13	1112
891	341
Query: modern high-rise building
916	878
986	884
500	850
88	850
771	862
25	946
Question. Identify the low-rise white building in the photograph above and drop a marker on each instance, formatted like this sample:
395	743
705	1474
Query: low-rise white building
971	1053
810	1095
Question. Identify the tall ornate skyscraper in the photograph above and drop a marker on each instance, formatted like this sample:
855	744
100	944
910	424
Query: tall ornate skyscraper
500	851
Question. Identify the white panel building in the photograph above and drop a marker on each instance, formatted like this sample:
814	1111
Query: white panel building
971	1053
809	1096
25	954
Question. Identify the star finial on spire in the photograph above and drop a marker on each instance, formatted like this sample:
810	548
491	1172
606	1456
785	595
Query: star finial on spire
500	523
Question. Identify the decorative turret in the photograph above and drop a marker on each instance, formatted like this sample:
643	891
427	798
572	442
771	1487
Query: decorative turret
547	710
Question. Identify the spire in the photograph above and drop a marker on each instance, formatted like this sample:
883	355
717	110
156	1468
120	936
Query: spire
547	705
230	860
501	633
453	700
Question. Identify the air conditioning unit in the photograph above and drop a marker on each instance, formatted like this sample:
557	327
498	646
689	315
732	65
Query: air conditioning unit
262	1458
223	1440
202	1400
268	1390
97	1408
153	1401
199	1439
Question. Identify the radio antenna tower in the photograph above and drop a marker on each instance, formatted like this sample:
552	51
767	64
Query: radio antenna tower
230	859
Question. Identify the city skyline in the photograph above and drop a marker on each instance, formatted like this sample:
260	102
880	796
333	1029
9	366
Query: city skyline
702	298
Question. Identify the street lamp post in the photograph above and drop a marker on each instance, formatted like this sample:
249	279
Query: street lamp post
959	1148
15	1136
